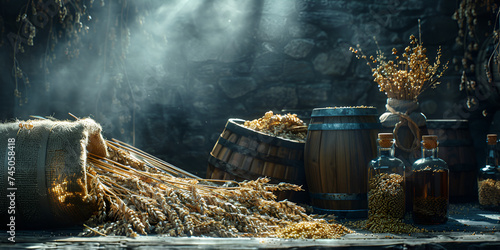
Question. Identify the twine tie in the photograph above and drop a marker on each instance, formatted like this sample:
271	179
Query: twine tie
404	119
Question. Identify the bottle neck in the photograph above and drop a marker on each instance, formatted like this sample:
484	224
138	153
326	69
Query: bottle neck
429	153
491	158
387	152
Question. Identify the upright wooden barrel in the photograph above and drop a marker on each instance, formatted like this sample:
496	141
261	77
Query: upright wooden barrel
339	145
245	154
456	148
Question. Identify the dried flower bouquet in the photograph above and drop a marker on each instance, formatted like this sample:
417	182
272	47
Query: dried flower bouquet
408	75
403	80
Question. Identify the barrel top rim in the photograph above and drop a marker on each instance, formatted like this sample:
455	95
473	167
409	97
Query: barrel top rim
368	107
447	123
238	122
344	111
447	120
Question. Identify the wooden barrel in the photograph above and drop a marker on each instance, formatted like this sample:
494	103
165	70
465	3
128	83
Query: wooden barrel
456	148
245	154
339	145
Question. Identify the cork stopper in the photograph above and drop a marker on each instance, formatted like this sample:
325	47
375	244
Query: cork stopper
492	139
385	140
429	141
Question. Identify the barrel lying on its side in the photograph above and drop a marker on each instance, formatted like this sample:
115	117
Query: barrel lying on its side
245	154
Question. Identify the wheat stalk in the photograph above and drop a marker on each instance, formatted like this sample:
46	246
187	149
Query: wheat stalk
133	196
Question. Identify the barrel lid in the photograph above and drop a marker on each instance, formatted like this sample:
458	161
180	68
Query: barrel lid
343	111
446	123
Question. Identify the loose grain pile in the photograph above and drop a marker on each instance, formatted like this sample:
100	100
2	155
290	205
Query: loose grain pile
387	224
287	126
381	224
135	195
316	229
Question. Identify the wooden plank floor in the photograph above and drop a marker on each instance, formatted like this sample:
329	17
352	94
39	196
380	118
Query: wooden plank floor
468	228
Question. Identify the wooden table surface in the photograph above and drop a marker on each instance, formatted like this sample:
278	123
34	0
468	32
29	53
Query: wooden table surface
468	227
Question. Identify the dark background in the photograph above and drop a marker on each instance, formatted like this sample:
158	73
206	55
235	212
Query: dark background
165	76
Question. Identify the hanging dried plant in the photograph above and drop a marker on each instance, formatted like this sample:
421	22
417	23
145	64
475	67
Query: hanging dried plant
468	16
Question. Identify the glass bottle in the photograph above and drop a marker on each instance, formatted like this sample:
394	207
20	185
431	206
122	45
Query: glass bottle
430	184
488	179
386	192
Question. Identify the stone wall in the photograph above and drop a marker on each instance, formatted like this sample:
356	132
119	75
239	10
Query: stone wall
189	68
296	57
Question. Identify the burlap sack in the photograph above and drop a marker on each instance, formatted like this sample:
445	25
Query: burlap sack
404	114
389	119
50	171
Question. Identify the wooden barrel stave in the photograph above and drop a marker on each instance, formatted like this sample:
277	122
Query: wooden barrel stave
243	154
456	148
313	170
334	187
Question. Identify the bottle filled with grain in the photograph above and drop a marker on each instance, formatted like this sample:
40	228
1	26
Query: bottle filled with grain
488	179
386	182
430	184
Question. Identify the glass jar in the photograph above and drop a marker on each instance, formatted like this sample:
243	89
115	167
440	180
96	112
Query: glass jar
430	184
386	192
488	179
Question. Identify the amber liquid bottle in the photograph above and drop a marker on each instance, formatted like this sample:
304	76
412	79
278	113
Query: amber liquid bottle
488	179
430	184
386	186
